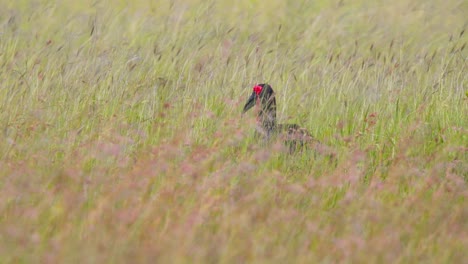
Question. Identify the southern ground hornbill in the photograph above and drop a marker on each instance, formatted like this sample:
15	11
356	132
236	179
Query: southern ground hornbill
295	137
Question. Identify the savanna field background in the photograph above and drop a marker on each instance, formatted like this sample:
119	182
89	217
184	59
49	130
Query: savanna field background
122	140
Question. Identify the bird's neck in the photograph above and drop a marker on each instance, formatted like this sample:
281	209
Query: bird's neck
267	115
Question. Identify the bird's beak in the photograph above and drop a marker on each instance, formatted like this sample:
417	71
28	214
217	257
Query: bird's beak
250	103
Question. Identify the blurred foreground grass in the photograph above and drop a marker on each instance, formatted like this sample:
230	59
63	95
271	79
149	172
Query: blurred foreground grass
121	136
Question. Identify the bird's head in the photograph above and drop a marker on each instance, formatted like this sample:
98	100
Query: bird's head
262	94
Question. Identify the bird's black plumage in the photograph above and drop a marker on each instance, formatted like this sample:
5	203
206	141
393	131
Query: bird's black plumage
263	97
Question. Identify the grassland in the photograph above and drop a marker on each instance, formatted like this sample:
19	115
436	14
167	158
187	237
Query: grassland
121	138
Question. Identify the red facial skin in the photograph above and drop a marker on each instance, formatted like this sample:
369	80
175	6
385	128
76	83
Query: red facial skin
257	89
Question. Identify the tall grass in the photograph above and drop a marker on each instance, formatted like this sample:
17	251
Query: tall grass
122	140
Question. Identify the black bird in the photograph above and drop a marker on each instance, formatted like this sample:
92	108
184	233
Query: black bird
263	97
